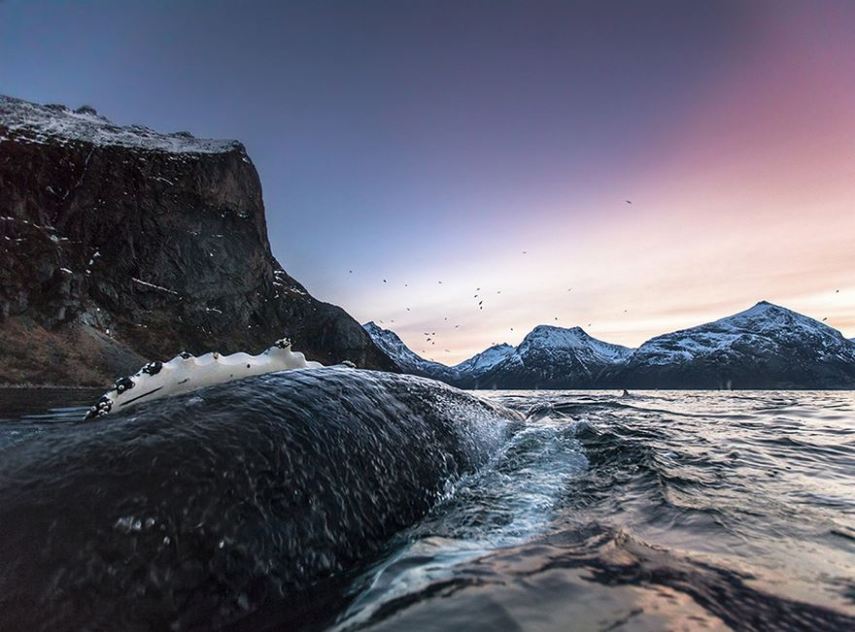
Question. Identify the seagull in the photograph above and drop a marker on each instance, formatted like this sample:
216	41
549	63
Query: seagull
629	201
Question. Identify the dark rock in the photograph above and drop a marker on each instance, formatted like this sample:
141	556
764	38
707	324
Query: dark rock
120	244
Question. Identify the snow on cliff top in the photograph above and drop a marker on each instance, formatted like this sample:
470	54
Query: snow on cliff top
35	123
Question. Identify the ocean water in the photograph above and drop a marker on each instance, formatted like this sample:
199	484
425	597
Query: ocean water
346	500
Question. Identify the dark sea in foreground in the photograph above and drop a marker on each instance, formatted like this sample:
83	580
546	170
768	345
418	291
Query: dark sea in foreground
589	511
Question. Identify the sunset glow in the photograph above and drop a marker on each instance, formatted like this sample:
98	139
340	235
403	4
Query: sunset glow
632	170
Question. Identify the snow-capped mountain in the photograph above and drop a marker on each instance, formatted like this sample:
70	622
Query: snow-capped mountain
766	346
482	362
548	357
407	359
554	357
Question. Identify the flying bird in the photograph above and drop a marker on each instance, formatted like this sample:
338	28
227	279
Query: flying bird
629	201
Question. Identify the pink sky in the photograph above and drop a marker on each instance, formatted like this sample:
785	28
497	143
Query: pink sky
748	195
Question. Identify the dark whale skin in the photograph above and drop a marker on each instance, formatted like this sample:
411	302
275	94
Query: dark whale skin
206	510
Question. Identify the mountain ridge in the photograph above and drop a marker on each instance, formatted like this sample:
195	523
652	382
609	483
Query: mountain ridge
764	346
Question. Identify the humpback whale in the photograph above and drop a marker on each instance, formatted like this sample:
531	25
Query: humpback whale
257	501
185	373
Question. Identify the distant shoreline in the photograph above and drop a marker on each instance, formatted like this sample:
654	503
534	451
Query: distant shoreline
51	386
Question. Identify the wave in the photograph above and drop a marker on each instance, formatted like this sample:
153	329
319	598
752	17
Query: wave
199	510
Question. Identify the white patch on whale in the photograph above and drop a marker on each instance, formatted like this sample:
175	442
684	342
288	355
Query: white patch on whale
186	373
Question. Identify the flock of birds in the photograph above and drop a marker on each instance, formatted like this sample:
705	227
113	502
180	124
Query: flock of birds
430	337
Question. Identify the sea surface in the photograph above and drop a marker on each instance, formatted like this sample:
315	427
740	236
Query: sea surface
349	500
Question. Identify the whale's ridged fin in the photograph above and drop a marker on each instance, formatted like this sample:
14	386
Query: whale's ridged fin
186	372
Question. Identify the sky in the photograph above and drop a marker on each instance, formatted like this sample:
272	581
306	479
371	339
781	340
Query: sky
629	167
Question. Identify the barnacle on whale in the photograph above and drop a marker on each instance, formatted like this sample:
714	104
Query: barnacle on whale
185	373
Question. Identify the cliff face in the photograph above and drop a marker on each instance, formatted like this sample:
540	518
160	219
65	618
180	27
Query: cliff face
120	244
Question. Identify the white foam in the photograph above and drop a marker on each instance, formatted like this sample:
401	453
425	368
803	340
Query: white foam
186	373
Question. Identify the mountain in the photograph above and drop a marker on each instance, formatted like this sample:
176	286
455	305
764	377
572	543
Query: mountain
548	357
122	244
480	363
766	346
554	357
407	361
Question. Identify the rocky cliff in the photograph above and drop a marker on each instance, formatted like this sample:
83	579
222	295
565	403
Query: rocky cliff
120	244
